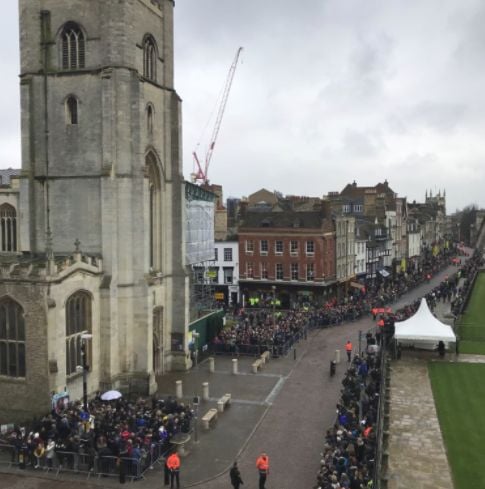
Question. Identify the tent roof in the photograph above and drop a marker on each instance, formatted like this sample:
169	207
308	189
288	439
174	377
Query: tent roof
423	326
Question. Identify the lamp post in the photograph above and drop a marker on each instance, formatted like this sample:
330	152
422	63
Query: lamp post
84	339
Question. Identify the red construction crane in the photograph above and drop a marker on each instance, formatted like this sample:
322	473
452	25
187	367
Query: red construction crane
201	175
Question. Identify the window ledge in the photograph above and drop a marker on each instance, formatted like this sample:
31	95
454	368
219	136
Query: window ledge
14	380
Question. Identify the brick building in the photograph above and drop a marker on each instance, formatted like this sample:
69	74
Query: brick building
286	251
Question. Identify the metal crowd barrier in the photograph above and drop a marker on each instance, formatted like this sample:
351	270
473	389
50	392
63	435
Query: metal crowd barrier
83	463
74	462
111	466
8	455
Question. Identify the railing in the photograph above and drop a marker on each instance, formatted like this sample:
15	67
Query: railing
84	464
381	425
276	349
8	455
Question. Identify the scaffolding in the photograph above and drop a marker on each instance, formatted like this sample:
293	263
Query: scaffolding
199	229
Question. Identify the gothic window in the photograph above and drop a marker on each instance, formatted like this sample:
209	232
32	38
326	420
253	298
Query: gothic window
150	58
12	339
73	48
154	185
72	110
8	228
149	120
78	321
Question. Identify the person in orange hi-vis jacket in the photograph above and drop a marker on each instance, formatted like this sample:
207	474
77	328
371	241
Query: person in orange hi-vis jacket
173	464
262	464
348	349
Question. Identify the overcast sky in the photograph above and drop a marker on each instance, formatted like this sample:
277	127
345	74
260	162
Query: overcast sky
327	92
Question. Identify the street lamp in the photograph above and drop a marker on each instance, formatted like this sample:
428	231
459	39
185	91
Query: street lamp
84	339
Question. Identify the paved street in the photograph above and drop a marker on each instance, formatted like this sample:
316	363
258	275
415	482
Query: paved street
284	411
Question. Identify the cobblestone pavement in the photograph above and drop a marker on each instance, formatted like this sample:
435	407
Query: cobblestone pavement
284	411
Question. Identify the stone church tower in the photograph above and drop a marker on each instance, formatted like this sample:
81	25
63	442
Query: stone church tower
100	202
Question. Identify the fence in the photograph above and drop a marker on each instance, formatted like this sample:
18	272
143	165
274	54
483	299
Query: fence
380	463
84	464
276	349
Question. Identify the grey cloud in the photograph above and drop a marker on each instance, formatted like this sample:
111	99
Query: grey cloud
443	117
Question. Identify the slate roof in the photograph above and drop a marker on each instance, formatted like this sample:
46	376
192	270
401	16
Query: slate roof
285	219
7	173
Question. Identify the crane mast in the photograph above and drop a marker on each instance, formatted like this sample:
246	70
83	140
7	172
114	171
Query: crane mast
201	175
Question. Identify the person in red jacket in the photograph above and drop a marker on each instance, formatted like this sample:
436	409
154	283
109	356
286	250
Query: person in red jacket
173	465
262	464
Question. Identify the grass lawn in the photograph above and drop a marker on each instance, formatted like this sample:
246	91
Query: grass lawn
472	323
459	393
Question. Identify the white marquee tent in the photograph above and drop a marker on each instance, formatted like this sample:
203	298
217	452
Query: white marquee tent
423	330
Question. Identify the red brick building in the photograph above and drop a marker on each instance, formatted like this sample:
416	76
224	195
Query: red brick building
292	251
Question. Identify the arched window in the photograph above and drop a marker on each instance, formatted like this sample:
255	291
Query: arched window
149	119
154	184
8	228
72	110
72	47
12	339
78	321
150	58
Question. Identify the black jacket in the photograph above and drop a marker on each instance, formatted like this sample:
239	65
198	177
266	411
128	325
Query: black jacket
235	476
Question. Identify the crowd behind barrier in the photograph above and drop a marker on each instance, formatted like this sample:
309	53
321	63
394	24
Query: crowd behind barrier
348	458
117	438
352	453
258	330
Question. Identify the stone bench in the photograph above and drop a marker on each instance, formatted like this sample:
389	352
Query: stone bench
257	365
209	416
265	356
223	401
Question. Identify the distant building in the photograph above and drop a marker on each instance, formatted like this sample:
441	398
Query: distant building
286	251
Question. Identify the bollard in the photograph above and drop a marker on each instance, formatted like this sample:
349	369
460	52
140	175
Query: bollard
211	365
178	389
205	391
337	356
234	366
294	353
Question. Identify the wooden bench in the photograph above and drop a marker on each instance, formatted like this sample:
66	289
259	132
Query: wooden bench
209	416
221	403
265	356
256	365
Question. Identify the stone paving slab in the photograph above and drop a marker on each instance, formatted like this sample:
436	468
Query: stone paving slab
417	455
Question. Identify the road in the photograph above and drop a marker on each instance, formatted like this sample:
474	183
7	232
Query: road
293	427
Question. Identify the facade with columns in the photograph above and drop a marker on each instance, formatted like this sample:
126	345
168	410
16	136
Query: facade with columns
98	207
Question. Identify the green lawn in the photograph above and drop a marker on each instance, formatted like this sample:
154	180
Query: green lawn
459	393
472	323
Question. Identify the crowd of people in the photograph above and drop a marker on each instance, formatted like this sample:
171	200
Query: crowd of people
124	429
119	428
260	328
349	452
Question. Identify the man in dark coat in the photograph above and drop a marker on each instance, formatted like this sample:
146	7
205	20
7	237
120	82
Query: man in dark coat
235	476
